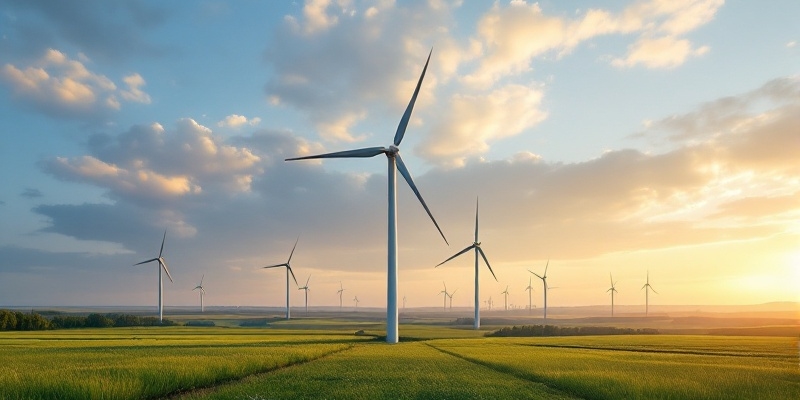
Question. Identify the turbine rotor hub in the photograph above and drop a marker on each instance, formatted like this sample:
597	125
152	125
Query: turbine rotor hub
392	150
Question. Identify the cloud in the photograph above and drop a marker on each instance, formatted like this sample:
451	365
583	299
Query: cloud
148	164
31	193
59	86
473	121
237	121
663	52
95	27
512	36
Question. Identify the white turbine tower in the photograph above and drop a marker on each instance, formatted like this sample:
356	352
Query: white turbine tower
505	296
444	292
543	277
395	164
288	271
530	296
647	288
355	300
477	246
161	264
612	289
202	292
340	292
306	289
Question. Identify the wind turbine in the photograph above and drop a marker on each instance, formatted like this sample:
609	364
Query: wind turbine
355	299
161	264
340	292
404	302
444	292
306	289
647	294
505	295
202	292
477	246
395	164
543	277
451	298
288	271
613	290
530	296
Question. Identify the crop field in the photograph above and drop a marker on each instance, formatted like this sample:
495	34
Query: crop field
319	359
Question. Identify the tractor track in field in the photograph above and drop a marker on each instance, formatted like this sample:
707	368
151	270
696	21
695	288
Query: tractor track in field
508	371
214	385
658	351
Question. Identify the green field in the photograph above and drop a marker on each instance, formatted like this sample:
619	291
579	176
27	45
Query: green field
325	359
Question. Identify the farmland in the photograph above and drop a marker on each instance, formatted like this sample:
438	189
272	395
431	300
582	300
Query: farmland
314	358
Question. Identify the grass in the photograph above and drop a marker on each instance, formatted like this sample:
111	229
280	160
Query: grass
324	359
613	367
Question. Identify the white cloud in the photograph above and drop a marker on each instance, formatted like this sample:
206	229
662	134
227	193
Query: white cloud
60	86
472	121
663	52
236	121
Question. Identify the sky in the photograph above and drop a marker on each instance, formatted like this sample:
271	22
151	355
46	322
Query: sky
611	138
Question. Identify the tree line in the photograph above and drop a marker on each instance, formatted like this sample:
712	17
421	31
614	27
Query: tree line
19	321
554	330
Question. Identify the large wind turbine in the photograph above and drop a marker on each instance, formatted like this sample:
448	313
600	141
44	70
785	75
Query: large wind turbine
647	288
543	277
444	292
288	271
306	289
355	300
530	296
395	164
202	292
612	289
340	292
161	264
505	296
477	246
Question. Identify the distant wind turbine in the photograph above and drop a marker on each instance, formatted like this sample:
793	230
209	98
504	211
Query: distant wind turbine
306	290
613	290
404	302
395	164
161	264
288	271
202	292
530	295
444	292
451	298
505	295
647	288
477	246
355	299
543	277
340	292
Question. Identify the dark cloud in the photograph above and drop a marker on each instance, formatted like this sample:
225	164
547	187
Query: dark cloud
107	31
31	193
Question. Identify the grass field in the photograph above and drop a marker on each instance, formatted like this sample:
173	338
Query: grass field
324	359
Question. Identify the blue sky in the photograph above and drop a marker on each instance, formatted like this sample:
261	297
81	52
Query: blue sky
606	136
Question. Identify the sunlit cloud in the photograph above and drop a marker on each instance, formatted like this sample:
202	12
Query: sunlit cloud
237	121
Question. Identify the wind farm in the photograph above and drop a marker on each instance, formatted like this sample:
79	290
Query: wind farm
601	137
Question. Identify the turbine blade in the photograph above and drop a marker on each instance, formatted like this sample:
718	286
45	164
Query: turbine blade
164	265
292	272
292	253
162	243
537	275
476	220
611	278
545	268
401	128
278	265
644	286
357	153
487	262
401	166
201	280
145	262
309	278
457	254
654	291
